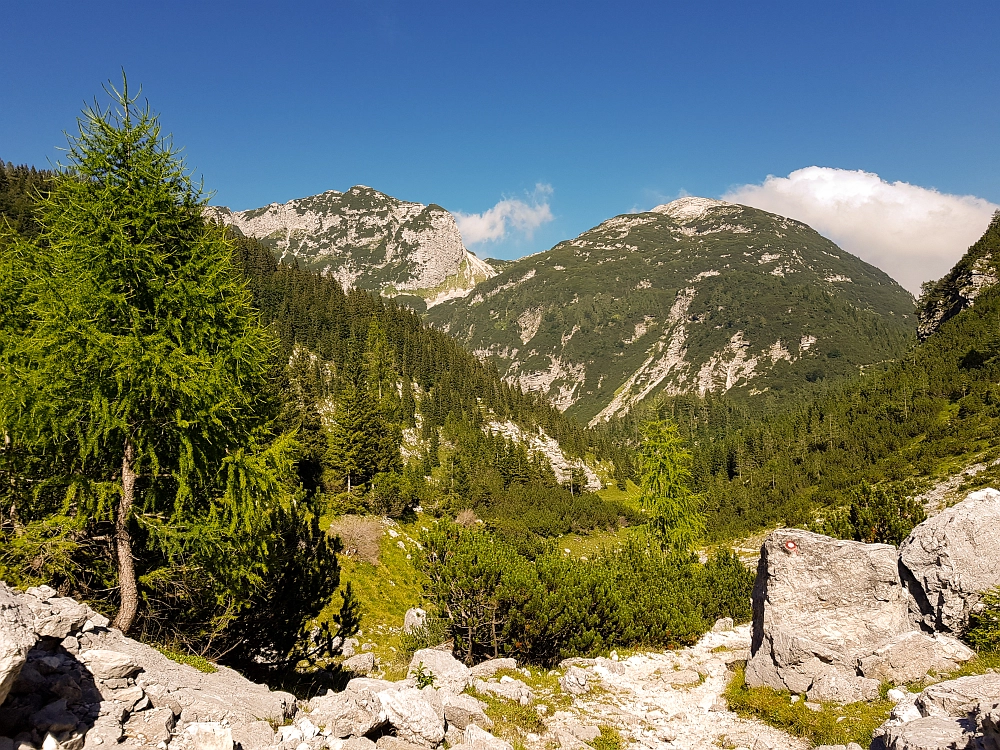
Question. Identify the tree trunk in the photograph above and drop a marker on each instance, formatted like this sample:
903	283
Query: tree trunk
126	568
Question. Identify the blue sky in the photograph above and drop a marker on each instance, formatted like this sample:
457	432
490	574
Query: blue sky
611	106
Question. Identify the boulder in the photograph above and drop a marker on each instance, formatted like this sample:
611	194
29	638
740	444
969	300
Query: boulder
208	736
414	619
352	713
357	743
478	738
105	664
17	636
363	664
949	560
491	667
55	717
929	733
55	616
369	683
841	687
959	697
448	672
151	727
909	656
569	741
820	605
723	625
462	710
412	716
575	682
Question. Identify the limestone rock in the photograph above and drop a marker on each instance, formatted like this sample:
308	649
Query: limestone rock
17	636
55	616
909	656
988	723
478	738
569	741
821	604
209	736
151	726
449	672
412	716
369	683
462	710
575	681
491	667
54	717
253	735
723	625
958	697
949	560
929	733
841	687
362	664
357	743
351	713
388	742
414	619
105	664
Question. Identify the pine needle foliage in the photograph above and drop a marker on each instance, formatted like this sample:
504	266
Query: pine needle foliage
665	478
135	386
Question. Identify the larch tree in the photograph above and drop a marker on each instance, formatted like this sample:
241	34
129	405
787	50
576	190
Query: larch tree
664	467
129	346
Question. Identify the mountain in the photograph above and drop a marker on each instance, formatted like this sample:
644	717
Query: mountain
366	239
978	269
694	296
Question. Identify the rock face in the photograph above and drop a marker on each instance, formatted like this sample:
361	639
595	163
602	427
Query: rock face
949	560
370	240
820	605
85	686
414	619
17	636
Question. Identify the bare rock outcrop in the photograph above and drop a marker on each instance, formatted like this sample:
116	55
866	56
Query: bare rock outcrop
949	560
17	636
821	606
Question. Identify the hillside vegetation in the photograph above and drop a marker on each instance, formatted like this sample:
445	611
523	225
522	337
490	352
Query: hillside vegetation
696	296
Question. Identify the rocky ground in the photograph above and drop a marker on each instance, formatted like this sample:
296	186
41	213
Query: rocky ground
668	700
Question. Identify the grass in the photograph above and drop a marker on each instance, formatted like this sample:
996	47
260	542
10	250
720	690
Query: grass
610	739
385	591
545	686
833	724
198	662
511	720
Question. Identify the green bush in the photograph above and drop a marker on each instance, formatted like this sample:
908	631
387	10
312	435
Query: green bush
496	601
984	626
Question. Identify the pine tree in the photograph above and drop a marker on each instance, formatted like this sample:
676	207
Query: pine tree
129	348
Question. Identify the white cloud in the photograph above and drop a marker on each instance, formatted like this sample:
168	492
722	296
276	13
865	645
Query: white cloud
510	213
912	233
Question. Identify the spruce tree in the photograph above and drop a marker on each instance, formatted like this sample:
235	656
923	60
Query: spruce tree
129	350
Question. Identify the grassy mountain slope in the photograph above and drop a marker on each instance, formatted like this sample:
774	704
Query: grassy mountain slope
369	240
696	296
904	424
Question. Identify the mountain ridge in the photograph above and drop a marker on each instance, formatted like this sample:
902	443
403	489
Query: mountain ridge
681	297
368	239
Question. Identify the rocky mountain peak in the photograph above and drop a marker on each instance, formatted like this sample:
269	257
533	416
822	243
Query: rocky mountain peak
370	240
691	208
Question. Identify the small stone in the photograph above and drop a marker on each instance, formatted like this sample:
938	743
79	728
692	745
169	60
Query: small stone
107	665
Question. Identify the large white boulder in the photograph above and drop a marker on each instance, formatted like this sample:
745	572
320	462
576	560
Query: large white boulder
820	606
449	673
413	717
949	560
352	713
17	636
